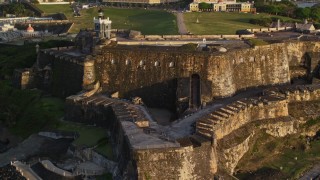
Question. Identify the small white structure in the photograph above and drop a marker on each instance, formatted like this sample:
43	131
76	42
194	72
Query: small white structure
102	26
7	27
85	6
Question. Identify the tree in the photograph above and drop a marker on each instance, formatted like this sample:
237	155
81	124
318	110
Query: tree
204	5
315	13
303	13
17	9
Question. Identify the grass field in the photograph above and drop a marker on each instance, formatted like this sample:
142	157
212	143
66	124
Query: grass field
89	136
220	22
146	21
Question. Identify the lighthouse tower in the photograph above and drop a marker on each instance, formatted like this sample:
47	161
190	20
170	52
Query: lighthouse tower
102	26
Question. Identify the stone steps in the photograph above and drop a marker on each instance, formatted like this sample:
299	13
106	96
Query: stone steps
227	110
204	133
204	126
217	116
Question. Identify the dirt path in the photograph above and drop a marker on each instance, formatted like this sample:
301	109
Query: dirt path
180	22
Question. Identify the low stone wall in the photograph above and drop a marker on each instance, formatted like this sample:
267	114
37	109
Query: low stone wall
274	104
191	37
190	162
59	135
303	93
231	156
48	165
234	146
269	29
226	119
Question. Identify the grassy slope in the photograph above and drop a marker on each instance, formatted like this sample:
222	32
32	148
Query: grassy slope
220	22
277	153
146	21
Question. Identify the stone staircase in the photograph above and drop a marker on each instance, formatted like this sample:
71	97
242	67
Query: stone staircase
206	125
124	111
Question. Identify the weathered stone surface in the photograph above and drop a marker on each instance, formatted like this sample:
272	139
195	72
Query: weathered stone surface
281	128
233	154
162	77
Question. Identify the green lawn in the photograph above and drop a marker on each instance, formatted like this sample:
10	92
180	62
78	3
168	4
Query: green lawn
105	149
146	21
220	22
89	136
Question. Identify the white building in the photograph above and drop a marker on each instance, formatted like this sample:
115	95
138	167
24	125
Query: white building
7	27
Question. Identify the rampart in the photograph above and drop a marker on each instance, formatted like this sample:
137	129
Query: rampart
144	149
226	119
135	145
128	70
274	104
125	70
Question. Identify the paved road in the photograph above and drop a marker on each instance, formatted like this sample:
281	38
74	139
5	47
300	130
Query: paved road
314	173
181	26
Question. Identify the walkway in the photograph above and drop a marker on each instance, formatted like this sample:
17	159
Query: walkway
26	171
182	127
314	173
25	149
180	22
48	165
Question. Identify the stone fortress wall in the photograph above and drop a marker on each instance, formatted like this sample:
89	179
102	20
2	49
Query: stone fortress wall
145	155
221	75
141	148
142	151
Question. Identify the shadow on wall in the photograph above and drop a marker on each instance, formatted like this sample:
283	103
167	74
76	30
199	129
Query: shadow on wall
159	95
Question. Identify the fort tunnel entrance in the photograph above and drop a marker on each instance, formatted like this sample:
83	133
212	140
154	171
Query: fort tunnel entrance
195	98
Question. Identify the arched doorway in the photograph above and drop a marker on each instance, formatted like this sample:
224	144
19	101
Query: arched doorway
195	99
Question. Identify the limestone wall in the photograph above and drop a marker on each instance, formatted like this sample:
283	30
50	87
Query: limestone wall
123	70
177	163
129	69
303	93
251	113
274	104
232	155
231	117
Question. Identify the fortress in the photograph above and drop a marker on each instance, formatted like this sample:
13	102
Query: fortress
212	94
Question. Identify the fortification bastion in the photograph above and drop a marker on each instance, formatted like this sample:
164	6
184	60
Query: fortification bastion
213	94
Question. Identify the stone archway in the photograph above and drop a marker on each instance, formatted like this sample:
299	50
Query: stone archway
195	92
